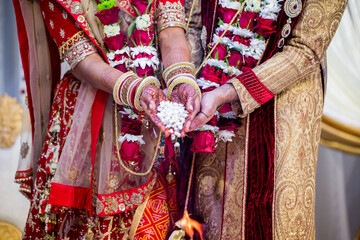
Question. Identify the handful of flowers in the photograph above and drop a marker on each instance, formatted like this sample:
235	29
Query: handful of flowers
173	116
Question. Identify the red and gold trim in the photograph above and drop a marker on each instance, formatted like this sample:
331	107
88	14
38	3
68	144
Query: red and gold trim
70	42
114	203
255	87
79	51
25	179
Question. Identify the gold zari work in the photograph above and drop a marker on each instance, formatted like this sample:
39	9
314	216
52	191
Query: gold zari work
10	120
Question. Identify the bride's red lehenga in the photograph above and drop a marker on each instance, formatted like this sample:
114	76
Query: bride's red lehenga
58	210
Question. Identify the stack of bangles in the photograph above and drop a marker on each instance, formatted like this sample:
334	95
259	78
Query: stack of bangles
128	89
178	73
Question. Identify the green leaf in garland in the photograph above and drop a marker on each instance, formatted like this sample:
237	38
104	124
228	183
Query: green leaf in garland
149	4
131	28
137	11
221	22
217	55
133	42
106	5
258	36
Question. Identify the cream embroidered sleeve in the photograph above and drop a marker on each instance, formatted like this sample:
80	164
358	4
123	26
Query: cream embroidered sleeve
301	55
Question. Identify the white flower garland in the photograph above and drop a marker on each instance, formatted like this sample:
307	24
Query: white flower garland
132	138
143	22
267	9
223	66
143	62
208	127
225	135
112	29
143	49
204	84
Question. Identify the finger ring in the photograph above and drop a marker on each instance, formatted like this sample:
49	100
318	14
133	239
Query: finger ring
204	114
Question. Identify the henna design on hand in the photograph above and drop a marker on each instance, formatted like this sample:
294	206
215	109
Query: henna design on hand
187	95
150	99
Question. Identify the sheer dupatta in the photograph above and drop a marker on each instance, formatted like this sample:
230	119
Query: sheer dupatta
37	60
89	174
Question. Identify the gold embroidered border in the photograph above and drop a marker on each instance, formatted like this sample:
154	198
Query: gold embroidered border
171	15
70	42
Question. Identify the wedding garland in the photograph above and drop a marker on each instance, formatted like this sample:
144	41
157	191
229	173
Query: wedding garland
138	54
239	49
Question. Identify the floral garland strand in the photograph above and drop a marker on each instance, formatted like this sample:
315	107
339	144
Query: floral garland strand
238	51
133	52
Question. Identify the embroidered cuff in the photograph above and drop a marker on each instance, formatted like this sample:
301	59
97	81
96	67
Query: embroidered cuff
70	42
170	15
255	87
247	103
79	51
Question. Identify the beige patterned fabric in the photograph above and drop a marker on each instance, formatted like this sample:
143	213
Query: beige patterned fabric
193	33
294	76
303	53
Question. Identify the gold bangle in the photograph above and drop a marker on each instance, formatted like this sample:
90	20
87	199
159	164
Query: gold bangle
124	89
179	80
178	68
117	85
149	80
131	90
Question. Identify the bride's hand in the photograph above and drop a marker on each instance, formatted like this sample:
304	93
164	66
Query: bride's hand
150	99
187	95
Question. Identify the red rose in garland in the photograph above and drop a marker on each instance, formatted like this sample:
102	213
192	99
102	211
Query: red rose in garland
220	52
114	43
204	142
109	16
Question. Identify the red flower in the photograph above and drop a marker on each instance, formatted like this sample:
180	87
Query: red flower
224	78
149	71
245	41
140	5
225	108
228	14
235	58
229	124
220	51
211	74
228	34
250	62
142	37
247	20
121	67
131	126
265	27
204	142
213	121
109	16
115	43
130	151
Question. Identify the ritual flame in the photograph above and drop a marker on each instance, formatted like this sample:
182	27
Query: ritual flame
189	225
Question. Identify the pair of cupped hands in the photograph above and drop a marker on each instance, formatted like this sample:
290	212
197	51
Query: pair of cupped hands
200	110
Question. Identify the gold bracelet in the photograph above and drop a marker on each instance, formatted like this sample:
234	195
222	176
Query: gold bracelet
176	69
149	80
117	85
187	80
124	89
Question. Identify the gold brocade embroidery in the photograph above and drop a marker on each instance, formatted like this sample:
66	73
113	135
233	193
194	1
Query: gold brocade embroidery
10	120
73	174
70	42
170	15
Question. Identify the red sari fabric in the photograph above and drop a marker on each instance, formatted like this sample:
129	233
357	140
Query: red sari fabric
55	222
